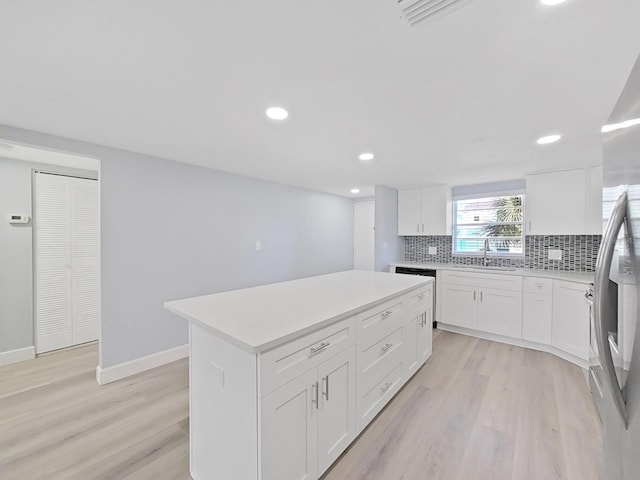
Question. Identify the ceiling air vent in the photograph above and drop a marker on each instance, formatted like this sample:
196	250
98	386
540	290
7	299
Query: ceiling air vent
419	11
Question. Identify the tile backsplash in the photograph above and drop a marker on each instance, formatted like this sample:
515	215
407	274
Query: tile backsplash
579	252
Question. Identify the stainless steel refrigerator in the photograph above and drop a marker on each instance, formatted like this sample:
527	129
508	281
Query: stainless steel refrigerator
615	367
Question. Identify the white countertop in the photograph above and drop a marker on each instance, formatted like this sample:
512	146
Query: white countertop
260	318
579	277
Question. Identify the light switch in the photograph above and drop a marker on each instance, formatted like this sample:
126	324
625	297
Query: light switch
433	250
258	245
555	254
218	375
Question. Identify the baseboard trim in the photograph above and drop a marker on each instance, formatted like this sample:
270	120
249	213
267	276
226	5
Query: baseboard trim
17	355
517	342
142	364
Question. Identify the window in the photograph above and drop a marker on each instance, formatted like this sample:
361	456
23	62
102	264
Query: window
497	219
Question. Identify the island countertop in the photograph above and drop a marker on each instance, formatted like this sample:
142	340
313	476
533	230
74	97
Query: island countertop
260	318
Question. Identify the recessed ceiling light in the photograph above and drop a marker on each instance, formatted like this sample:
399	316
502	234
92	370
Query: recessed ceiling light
618	126
277	113
551	3
366	156
548	139
355	190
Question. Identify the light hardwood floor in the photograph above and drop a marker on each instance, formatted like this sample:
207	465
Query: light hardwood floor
477	410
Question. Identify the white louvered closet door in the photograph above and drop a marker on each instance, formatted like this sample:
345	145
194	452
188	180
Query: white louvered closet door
66	264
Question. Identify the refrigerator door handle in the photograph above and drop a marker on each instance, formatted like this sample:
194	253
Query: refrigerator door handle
602	301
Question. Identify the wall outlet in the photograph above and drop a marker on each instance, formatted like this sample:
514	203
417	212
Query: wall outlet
433	250
555	254
258	245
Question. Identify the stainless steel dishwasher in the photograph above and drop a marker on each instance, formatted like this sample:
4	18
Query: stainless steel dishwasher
423	272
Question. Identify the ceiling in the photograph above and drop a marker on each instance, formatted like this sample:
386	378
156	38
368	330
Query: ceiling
453	101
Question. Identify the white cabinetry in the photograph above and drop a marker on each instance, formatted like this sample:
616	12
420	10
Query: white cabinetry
546	314
537	312
312	417
565	203
419	329
594	220
287	413
571	327
491	303
425	211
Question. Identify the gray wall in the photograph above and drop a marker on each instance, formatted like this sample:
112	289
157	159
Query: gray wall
389	247
16	318
171	230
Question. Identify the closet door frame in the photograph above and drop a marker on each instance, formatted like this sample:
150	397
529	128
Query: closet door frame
80	175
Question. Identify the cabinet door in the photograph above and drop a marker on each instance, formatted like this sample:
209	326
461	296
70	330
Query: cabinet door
594	215
425	334
412	332
459	306
436	211
555	203
409	212
500	312
290	430
570	331
337	415
536	318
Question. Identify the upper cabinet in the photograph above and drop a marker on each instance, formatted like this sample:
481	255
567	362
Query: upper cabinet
594	221
565	203
424	211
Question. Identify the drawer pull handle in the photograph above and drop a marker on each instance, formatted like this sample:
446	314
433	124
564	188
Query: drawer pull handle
386	347
386	314
386	387
319	348
421	296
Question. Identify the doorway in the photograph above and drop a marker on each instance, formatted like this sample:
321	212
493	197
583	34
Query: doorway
66	260
363	235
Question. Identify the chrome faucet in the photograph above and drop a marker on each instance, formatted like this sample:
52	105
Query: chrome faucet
485	248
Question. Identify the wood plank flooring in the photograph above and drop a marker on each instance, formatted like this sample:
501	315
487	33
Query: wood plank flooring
477	410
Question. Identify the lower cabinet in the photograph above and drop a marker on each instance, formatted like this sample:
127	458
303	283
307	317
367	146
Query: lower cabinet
458	304
500	312
571	326
474	302
541	310
419	329
537	311
289	415
307	423
288	412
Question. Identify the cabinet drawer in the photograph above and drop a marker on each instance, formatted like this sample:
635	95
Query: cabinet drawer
419	297
538	285
376	353
373	396
370	321
284	363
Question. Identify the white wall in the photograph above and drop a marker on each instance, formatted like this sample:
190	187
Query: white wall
171	230
389	247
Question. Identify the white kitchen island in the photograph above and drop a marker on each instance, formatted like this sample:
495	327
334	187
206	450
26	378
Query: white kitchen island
284	376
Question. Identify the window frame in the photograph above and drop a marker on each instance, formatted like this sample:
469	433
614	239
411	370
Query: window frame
492	254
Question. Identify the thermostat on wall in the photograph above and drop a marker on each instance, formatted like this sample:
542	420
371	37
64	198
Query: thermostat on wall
19	218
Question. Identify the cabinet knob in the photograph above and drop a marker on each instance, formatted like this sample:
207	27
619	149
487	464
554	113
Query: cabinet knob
386	314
